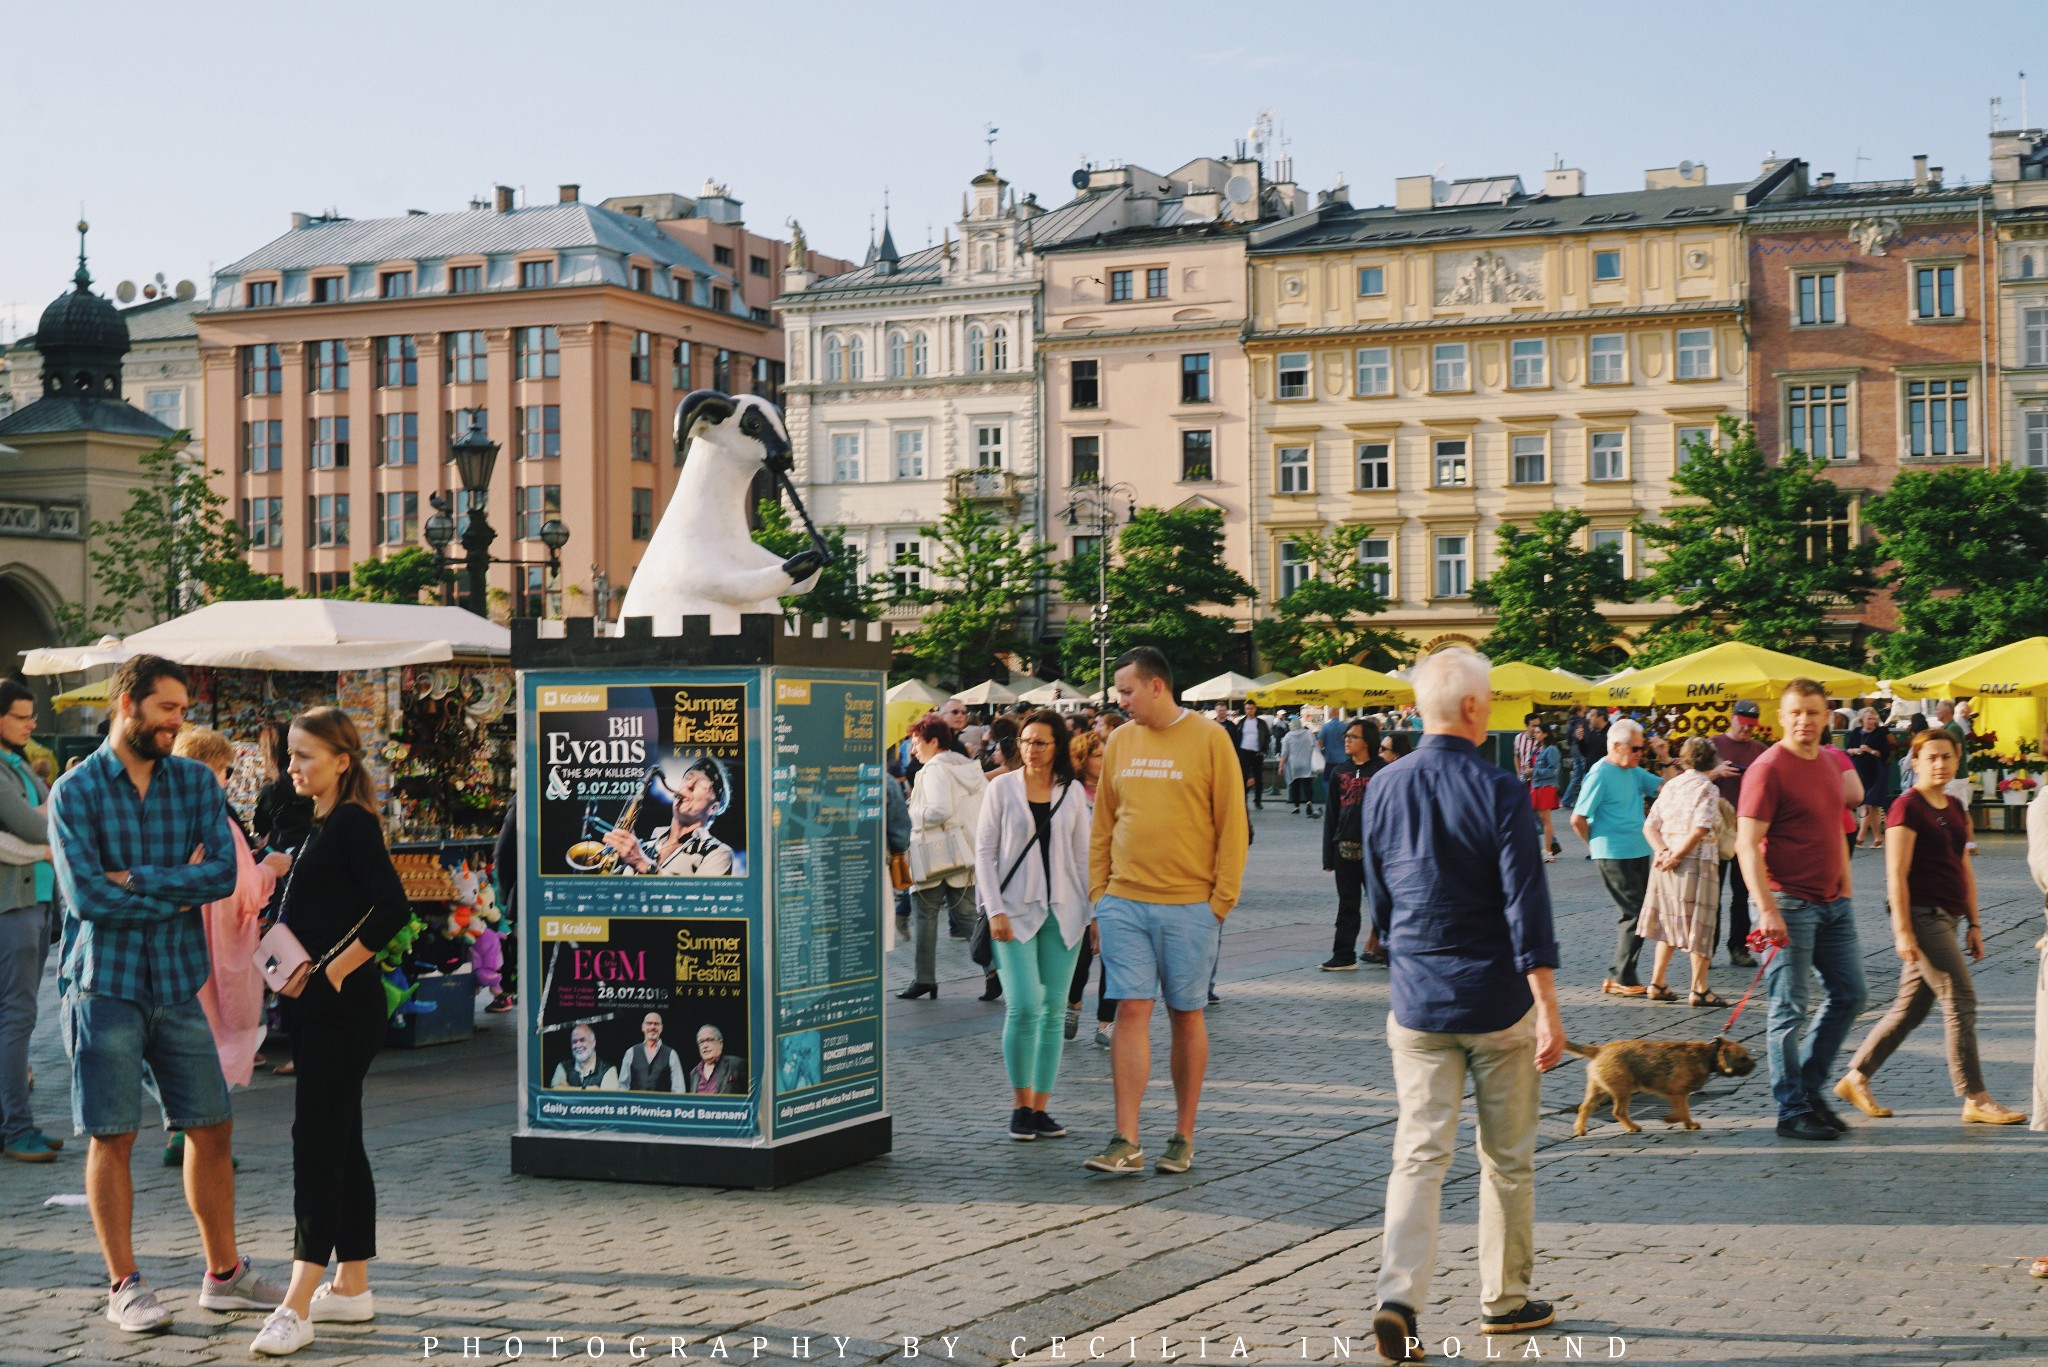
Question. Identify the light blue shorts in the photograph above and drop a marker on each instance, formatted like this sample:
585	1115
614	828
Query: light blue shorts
1155	950
110	1039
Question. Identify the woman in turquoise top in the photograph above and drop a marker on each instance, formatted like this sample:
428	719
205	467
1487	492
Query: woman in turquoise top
27	890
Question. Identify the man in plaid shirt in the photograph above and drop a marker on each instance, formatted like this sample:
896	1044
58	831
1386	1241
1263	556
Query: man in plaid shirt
141	840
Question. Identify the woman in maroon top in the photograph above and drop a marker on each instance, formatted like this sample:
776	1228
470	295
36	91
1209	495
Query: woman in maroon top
1932	887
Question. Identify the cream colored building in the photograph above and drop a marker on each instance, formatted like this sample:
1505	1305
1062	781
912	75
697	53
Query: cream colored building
160	375
2019	188
1478	353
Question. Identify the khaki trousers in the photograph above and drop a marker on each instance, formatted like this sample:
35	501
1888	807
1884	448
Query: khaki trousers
1429	1075
2038	1117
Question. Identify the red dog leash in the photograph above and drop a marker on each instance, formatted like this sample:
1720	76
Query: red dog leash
1757	944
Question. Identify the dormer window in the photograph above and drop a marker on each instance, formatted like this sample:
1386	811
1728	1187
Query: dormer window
327	289
465	279
643	280
262	293
394	284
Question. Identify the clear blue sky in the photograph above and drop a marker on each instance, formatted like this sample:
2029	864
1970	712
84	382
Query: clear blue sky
191	132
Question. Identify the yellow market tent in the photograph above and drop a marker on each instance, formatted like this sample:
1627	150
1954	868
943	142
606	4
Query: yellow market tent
1336	686
2010	685
85	695
907	702
1520	688
1724	673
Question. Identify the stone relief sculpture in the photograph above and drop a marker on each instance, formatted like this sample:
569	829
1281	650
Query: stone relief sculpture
1871	234
1491	278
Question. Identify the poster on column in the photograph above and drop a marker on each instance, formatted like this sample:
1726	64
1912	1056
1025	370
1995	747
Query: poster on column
646	934
826	794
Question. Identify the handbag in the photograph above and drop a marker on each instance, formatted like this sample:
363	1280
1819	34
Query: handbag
279	955
899	870
934	854
1316	762
1724	828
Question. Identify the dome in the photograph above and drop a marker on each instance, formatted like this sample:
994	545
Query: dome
82	339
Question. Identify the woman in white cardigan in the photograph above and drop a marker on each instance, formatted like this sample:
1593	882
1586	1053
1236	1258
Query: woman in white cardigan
1031	867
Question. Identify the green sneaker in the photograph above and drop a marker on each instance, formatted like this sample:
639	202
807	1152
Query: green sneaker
1122	1158
1179	1155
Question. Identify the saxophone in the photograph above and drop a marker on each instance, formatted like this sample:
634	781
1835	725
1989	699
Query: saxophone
594	856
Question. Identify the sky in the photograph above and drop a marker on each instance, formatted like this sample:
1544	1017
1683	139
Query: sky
191	132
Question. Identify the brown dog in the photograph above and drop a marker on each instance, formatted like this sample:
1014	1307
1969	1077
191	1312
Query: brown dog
1672	1069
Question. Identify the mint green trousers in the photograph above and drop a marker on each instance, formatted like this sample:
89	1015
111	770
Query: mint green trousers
1035	974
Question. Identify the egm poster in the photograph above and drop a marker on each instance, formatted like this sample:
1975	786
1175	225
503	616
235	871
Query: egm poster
643	920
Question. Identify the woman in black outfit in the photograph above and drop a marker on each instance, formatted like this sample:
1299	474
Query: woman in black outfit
282	819
344	898
1344	842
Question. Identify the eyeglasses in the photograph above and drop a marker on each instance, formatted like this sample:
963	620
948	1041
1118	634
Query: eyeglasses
1638	749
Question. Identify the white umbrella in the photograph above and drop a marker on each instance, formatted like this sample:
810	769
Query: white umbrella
1269	678
1222	688
317	635
915	690
988	694
108	650
1059	690
1024	685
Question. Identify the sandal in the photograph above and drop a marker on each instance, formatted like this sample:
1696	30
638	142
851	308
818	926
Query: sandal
1706	998
284	1069
1658	992
1615	989
2038	1268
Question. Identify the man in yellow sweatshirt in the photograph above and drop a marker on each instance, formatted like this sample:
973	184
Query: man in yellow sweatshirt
1165	865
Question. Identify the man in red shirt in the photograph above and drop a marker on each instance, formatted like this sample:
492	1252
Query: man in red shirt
1789	841
1738	748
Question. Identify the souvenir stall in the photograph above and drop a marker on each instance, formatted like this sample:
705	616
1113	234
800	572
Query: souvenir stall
2008	689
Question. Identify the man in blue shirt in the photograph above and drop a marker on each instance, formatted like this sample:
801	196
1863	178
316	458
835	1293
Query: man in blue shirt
1330	740
1609	818
141	841
1454	872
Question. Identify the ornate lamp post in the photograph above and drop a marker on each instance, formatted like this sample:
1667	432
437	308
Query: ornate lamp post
476	456
1095	506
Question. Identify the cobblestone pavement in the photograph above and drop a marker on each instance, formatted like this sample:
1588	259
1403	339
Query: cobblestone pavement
1903	1244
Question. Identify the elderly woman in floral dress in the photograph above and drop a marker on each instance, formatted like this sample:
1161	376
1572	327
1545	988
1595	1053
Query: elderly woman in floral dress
1683	908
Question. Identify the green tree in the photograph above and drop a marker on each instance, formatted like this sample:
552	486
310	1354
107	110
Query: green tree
840	591
1546	596
1757	552
982	574
172	549
1969	571
401	577
1323	621
1167	563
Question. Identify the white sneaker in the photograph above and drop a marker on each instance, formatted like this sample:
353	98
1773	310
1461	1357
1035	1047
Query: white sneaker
282	1334
246	1292
134	1308
331	1307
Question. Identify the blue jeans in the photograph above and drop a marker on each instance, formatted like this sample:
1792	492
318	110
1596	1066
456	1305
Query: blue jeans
110	1039
1823	939
1571	788
24	948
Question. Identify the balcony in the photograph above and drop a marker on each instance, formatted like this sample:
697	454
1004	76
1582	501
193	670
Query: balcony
987	486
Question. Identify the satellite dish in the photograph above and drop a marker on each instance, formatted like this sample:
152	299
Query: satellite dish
125	291
1239	190
1685	169
1080	178
149	291
186	289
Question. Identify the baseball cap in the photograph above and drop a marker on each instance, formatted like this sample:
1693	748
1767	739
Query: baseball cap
1746	708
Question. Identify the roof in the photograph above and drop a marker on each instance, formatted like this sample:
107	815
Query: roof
1534	216
75	413
1864	196
163	320
926	266
1170	229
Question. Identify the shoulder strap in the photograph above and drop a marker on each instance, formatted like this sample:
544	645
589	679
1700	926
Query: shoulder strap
1004	886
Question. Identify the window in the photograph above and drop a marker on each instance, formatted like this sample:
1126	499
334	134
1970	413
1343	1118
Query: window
262	293
2034	445
1084	548
999	348
328	289
1084	382
722	255
758	265
1119	286
1372	280
462	421
263	522
835	359
1938	417
679	367
1691	439
910	455
906	564
1607	456
536	275
327	514
537	353
1528	458
537	503
643	514
468	362
394	284
2033	336
533	591
1375	465
465	504
1610	538
1607	265
1814	298
1934	291
977	351
642	279
1376	556
721	368
538	431
325	582
327	366
329	443
1294	568
846	457
1293	371
856	359
1086	455
167	406
1607	359
1447	367
1294	469
1453	566
641	429
465	279
1695	353
1155	282
1197	456
262	369
401	519
398	362
1194	377
640	363
399	441
1817	420
899	355
920	354
1529	363
988	447
262	446
1453	468
1375	371
721	299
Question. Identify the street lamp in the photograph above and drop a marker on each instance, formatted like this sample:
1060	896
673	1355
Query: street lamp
476	456
1094	506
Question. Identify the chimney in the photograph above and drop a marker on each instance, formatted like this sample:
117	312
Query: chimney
300	220
504	199
1934	177
1920	172
1827	178
1564	182
1414	192
570	193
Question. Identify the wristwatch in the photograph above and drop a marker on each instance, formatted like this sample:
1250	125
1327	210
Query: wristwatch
134	883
